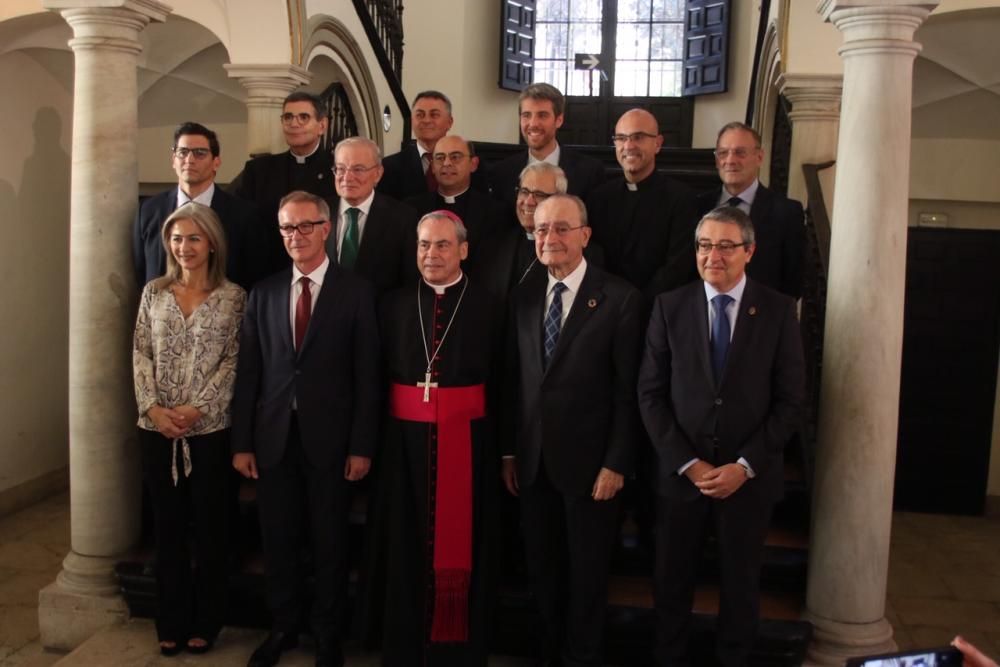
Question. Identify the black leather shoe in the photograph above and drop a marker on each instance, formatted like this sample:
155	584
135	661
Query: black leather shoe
269	652
328	654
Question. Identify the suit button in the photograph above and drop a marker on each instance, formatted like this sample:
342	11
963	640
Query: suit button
298	372
718	401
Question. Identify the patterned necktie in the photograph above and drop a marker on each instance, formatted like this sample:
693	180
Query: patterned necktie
553	321
432	184
303	309
349	246
720	333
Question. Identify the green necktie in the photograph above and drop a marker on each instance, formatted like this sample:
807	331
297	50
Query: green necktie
349	246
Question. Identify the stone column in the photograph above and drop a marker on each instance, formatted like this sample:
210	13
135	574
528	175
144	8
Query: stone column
103	454
815	118
859	401
267	87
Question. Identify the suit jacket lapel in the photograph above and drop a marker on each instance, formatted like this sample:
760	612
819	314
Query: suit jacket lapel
324	303
699	314
533	295
744	329
587	301
371	238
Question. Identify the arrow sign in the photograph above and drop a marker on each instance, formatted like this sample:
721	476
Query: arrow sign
589	61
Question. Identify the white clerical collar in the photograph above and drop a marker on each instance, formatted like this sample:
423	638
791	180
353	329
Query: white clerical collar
440	289
203	198
301	159
530	235
736	292
450	199
317	274
747	196
573	280
552	158
364	206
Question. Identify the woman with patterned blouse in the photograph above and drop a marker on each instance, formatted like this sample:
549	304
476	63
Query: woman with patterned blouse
184	363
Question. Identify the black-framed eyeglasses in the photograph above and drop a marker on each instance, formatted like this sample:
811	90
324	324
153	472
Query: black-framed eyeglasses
200	153
302	117
304	228
741	152
558	228
454	157
357	171
539	195
725	248
634	137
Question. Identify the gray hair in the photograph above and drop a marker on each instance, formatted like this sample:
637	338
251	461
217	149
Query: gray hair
301	196
461	233
359	141
573	198
730	215
562	183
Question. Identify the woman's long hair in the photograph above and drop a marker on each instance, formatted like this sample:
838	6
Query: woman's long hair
211	227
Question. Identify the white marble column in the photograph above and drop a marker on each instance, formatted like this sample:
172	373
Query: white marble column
815	118
103	454
267	87
859	401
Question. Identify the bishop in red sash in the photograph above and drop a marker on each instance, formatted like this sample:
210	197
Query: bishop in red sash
439	475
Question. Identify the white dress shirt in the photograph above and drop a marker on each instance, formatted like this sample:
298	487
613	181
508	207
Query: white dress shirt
342	220
572	283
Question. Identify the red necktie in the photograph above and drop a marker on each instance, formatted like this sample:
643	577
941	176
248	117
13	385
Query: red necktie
432	184
303	308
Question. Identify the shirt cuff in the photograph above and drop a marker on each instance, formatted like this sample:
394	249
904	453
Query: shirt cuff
507	456
683	468
746	466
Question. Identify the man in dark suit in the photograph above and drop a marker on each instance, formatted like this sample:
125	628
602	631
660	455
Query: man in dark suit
779	223
374	235
196	160
573	354
305	410
268	178
540	108
719	409
644	220
408	173
454	163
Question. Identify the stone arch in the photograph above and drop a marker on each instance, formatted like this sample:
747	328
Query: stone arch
331	43
767	92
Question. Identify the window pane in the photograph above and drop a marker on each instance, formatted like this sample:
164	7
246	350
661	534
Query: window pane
551	71
667	41
584	83
584	38
630	78
633	10
668	10
665	79
552	10
633	41
586	10
551	40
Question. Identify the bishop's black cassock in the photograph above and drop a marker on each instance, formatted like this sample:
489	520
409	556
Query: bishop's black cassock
407	484
480	213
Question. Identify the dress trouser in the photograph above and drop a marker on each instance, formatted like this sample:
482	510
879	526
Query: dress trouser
189	604
568	543
302	505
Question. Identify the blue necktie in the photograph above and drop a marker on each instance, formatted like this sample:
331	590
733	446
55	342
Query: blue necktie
720	333
553	321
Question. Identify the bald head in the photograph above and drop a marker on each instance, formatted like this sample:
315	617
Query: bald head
637	141
454	162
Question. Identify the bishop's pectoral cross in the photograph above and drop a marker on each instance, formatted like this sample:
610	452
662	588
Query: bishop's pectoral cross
427	384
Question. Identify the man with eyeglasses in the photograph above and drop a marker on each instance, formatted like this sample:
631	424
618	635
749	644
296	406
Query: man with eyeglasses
195	157
305	411
779	222
267	178
374	235
454	162
721	389
644	219
569	434
540	108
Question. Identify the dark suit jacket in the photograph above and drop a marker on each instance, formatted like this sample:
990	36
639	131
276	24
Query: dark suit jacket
247	251
266	179
779	231
388	254
404	175
583	172
334	377
751	413
579	414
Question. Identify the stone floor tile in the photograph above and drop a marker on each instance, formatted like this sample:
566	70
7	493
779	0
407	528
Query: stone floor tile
30	557
935	612
18	627
919	580
971	585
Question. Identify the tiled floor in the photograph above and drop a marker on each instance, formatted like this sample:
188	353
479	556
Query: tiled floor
944	579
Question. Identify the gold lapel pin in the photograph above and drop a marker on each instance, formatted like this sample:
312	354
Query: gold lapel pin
592	303
753	310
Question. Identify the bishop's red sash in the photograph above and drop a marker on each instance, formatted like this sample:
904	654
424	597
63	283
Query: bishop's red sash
451	409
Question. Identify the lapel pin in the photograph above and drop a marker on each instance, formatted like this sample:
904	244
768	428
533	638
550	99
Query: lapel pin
320	176
592	303
753	310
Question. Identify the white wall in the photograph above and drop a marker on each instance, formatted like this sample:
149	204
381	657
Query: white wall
34	263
